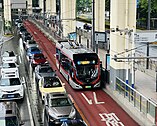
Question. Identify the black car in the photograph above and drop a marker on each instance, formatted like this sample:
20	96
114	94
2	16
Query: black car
87	27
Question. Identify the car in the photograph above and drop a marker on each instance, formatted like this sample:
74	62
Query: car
49	85
37	59
43	70
9	67
72	122
87	26
21	30
11	85
26	39
10	114
30	43
9	57
58	107
25	34
17	21
31	51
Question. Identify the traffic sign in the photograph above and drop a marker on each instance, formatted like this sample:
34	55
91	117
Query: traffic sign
145	36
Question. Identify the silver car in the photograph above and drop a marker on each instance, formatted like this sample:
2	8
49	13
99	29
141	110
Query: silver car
58	108
43	70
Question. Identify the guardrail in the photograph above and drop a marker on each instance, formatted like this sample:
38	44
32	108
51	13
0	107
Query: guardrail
145	105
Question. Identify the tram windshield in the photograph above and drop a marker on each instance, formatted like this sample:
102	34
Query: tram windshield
86	66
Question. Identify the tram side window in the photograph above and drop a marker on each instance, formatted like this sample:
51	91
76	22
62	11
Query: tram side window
65	62
58	53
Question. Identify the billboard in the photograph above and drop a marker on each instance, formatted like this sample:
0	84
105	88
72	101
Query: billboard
101	36
72	36
145	36
107	61
18	4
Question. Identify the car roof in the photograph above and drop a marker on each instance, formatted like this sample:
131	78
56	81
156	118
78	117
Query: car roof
38	54
8	108
58	95
8	53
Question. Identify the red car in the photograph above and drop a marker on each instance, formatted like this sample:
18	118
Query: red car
38	59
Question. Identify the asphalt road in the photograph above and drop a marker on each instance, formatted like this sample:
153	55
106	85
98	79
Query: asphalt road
95	105
13	45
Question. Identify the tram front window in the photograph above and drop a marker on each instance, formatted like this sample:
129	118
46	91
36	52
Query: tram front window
86	73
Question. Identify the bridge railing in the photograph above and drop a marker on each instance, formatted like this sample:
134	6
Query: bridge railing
145	105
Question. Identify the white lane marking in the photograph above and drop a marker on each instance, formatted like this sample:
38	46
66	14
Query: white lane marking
111	119
29	109
95	99
88	100
20	59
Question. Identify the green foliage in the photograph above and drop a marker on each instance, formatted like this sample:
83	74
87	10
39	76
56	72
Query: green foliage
143	8
107	5
35	3
82	5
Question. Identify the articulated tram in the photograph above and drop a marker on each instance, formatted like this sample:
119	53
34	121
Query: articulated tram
80	67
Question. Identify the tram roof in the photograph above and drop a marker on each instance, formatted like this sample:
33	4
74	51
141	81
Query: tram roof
70	48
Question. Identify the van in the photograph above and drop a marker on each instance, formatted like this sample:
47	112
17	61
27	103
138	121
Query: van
9	114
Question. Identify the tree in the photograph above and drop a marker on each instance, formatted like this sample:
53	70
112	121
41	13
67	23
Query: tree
143	11
143	5
35	3
83	5
107	5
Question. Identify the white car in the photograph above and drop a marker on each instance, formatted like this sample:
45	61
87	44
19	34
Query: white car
9	68
9	57
11	85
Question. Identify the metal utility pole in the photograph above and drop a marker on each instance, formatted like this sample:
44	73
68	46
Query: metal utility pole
93	25
44	11
149	11
156	78
148	27
147	62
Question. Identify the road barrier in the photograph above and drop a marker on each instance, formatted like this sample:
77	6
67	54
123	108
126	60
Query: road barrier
145	105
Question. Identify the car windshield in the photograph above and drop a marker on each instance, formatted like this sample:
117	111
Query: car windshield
31	42
73	123
51	82
9	65
35	50
60	102
39	57
10	82
46	70
8	121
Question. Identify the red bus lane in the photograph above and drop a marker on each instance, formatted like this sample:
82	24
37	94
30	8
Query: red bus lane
97	107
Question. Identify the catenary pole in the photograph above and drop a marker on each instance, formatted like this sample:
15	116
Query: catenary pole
93	25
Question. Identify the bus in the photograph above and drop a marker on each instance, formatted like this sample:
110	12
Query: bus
79	66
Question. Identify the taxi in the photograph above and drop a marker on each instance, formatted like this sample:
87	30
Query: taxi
50	85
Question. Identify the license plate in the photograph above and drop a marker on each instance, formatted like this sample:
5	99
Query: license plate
63	120
10	96
87	86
